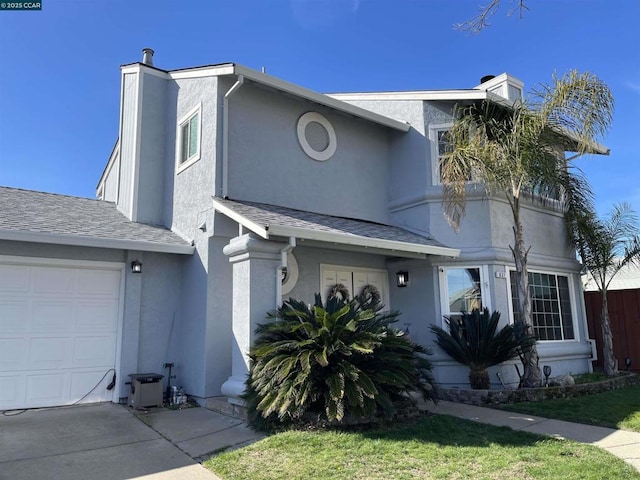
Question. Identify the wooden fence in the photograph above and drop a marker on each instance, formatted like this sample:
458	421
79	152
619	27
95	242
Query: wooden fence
624	313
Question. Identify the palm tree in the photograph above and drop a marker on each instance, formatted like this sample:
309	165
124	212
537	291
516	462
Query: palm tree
605	247
514	152
474	341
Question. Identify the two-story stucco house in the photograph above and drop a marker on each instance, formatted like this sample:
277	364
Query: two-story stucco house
227	191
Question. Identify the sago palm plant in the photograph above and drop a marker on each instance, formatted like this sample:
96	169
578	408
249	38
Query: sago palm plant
473	340
329	361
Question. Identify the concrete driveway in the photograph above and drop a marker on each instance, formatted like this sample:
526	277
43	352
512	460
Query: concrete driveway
108	441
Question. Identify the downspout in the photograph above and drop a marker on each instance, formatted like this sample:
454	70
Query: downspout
283	264
225	134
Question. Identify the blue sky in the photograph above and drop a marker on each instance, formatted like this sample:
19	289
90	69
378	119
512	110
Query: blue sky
59	67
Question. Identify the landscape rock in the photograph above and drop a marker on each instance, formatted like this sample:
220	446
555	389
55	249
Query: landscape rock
562	381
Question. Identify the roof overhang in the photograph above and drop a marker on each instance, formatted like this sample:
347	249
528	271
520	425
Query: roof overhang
274	83
423	95
96	242
397	248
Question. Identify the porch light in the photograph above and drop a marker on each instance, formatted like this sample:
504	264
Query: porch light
403	278
136	266
547	372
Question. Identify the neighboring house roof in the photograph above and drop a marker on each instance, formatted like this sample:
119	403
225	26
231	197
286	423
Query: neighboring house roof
274	221
277	84
628	278
30	216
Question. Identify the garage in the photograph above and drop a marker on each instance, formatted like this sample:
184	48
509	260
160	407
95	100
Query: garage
59	322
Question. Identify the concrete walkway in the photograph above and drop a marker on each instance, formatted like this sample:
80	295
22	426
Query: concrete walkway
621	443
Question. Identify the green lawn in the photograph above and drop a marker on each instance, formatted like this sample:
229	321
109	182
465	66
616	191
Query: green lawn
613	409
434	447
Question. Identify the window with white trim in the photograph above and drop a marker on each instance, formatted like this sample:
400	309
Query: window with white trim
188	138
551	307
462	289
438	134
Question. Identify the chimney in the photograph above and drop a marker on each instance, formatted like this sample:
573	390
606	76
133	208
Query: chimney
147	56
486	78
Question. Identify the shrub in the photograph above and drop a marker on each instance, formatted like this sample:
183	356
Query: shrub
472	341
332	363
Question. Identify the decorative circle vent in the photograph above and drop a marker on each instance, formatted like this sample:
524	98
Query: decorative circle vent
316	136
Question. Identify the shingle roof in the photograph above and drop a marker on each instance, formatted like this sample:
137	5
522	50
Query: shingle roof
51	218
275	220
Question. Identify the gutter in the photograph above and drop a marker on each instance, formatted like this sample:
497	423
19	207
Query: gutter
83	241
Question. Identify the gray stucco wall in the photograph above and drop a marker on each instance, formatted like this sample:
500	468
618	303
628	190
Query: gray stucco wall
194	186
409	171
150	181
160	313
267	164
128	143
217	355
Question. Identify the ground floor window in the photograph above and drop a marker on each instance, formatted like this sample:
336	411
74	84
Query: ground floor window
462	289
550	305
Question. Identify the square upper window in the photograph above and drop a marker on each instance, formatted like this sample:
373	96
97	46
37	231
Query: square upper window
188	138
439	136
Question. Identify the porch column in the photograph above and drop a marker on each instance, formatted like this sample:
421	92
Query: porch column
255	262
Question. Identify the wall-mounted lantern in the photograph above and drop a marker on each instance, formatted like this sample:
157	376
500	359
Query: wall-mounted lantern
136	266
403	278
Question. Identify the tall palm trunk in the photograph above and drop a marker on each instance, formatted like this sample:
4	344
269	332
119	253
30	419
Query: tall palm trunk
531	377
609	359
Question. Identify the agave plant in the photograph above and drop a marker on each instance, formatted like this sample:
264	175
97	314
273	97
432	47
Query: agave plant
473	341
330	361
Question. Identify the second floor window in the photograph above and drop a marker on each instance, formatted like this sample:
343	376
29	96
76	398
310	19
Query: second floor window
439	136
189	138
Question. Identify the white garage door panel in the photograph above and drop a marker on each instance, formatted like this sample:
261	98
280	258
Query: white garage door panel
58	333
13	314
99	282
49	353
53	316
13	354
14	278
10	388
46	389
93	351
83	382
97	316
54	280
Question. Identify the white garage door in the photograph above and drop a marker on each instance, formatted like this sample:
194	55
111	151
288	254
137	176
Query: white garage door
58	331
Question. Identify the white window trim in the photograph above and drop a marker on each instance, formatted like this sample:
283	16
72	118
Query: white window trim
197	110
572	301
433	138
444	287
